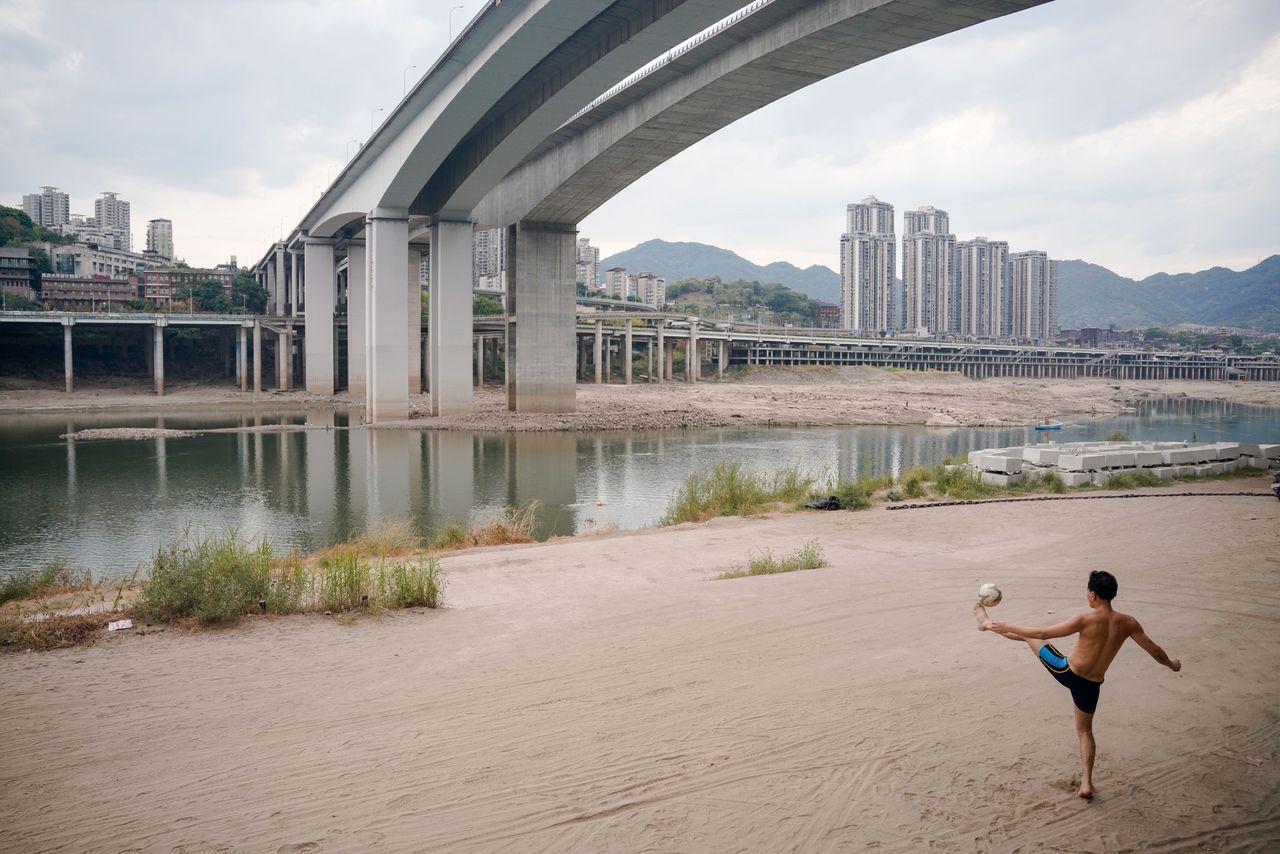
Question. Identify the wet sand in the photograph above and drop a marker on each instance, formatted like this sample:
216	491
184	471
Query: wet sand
602	694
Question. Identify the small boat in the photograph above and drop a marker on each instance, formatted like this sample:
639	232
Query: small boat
1049	425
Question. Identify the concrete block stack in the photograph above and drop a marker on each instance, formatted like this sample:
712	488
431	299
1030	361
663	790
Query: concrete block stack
1080	463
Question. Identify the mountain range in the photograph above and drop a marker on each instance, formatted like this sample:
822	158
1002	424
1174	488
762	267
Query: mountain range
1088	294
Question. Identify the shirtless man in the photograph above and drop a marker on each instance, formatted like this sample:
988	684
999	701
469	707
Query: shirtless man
1103	630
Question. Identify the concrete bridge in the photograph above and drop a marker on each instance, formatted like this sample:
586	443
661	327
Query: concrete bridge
609	344
538	113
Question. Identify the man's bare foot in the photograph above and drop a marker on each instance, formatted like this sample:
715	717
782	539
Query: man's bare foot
980	613
1086	792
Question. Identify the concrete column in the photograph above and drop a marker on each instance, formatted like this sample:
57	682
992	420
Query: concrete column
724	358
608	359
598	351
388	334
67	373
649	349
413	314
479	348
671	360
257	357
283	356
277	272
450	317
157	356
691	355
242	361
271	285
626	354
320	292
662	353
582	357
542	297
291	276
357	321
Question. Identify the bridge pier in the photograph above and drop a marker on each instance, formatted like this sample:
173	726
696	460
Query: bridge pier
413	314
627	354
157	356
662	352
279	281
319	290
449	333
68	375
542	294
691	355
598	349
257	357
724	357
242	366
387	398
357	320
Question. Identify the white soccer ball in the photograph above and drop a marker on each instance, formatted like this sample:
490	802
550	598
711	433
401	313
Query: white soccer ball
989	595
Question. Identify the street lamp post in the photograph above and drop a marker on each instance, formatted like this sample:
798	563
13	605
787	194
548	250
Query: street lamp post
451	11
372	115
404	80
358	145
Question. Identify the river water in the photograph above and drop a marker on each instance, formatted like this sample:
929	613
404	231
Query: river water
107	505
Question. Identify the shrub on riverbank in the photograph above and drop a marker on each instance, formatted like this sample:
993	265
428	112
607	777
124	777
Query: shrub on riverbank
53	577
513	526
808	556
220	578
729	491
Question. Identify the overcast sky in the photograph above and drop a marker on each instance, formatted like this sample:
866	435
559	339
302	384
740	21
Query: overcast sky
1143	135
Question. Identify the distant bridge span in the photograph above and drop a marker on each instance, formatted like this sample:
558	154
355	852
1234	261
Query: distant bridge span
509	129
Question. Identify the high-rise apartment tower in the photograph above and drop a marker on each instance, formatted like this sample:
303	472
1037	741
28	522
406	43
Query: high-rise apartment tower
928	271
868	266
1033	296
982	277
50	207
160	238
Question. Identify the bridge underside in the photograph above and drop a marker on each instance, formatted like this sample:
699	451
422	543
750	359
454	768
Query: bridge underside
568	169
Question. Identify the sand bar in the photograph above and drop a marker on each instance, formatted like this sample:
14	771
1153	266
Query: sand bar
601	694
763	397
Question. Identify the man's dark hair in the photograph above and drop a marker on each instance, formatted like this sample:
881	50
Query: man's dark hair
1104	584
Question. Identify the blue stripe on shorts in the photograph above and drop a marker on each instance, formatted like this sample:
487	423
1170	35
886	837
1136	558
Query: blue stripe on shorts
1053	659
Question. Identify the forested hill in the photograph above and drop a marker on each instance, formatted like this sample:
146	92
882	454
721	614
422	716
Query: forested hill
1091	295
677	261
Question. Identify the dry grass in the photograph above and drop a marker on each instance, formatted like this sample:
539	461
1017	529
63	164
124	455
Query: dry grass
513	525
54	632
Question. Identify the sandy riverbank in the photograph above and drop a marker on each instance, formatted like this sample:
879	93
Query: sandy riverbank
601	694
779	396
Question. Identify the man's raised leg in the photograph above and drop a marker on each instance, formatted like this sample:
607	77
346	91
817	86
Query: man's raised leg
980	613
1084	728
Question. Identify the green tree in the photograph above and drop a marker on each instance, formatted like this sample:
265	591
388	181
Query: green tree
247	294
209	296
486	305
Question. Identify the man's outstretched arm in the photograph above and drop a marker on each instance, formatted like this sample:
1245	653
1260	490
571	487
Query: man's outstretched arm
1153	649
1062	630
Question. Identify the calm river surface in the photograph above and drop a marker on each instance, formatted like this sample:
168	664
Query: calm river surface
106	505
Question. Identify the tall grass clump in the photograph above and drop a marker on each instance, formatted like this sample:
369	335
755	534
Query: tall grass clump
963	483
215	579
1118	436
727	490
1132	480
53	577
386	537
808	556
342	581
410	585
513	525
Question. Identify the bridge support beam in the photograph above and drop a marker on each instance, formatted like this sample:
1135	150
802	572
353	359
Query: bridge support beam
413	314
157	356
662	355
319	293
626	354
67	372
257	357
242	361
449	325
357	320
542	277
277	275
597	351
388	342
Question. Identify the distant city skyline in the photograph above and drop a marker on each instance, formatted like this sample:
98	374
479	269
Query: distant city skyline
1024	146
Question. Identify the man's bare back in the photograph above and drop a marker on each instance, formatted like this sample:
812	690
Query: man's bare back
1100	631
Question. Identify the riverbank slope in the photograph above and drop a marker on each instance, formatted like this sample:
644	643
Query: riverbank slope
601	693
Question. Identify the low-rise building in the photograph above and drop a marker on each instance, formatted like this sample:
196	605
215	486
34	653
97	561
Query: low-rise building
88	261
18	274
162	286
88	292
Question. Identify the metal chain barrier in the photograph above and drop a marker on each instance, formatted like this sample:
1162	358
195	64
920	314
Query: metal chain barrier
1082	498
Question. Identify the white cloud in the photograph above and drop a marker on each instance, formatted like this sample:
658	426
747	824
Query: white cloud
1139	134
